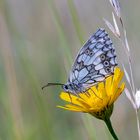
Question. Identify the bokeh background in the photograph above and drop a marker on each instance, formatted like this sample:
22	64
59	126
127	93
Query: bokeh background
38	43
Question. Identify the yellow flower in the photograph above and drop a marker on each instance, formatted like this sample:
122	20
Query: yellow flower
98	100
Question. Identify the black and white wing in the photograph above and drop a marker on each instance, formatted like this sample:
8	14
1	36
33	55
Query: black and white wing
95	61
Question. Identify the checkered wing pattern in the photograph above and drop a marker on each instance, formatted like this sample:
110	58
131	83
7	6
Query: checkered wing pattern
95	61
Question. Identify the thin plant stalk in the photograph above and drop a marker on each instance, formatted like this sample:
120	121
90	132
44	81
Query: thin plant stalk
132	84
109	126
116	6
138	122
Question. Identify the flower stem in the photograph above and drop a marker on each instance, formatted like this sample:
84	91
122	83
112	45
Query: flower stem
138	123
109	126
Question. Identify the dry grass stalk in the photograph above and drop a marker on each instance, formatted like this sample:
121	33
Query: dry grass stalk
133	94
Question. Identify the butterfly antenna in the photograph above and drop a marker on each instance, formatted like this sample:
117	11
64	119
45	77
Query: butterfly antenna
52	84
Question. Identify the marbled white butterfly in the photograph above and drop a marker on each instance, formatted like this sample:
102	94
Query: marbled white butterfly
95	61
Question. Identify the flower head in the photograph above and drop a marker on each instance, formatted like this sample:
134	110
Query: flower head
97	100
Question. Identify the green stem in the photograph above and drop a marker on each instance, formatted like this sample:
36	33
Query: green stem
109	126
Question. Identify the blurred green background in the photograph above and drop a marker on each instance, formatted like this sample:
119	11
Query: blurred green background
38	43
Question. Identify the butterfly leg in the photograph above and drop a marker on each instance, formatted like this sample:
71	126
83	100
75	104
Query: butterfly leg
95	94
70	97
87	93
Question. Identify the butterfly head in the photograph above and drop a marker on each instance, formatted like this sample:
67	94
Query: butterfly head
71	88
68	87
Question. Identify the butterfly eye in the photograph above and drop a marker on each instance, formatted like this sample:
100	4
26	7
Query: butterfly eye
108	69
70	85
66	87
106	63
102	57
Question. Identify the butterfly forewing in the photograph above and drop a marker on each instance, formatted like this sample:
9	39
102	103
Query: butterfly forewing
95	61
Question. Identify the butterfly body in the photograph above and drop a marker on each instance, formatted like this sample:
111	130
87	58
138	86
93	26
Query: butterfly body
95	61
73	88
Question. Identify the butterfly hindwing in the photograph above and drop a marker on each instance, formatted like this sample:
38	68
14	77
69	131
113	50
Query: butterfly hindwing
95	61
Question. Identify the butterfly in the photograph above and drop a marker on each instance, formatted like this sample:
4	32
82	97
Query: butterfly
95	61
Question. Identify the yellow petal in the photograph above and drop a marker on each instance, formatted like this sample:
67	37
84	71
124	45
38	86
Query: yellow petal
76	109
94	92
117	93
68	97
108	84
101	90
